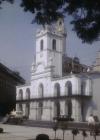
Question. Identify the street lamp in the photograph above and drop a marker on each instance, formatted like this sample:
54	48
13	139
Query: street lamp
55	127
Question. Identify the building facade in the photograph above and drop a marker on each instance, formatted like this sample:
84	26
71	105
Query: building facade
59	84
8	82
96	66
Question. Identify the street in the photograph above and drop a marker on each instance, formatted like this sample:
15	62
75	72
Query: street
15	132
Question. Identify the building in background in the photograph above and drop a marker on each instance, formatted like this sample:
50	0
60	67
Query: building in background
59	85
96	65
8	81
72	65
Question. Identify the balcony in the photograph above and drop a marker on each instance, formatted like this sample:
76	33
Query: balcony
80	96
56	98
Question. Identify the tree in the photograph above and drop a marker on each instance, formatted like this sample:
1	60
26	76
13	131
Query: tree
11	1
85	14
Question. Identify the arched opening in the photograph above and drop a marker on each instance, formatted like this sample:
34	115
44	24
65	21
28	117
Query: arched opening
27	108
41	91
83	87
57	90
68	102
41	45
20	98
68	88
40	104
27	93
57	103
69	108
20	94
54	44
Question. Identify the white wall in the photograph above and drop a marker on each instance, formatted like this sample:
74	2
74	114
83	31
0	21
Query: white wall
96	95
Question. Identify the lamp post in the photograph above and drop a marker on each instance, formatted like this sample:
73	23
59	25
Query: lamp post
55	127
84	134
63	129
75	132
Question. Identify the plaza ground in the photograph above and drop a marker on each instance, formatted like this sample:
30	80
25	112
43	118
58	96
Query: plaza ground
15	132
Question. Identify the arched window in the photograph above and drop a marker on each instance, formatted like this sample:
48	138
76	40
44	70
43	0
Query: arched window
83	90
27	93
20	107
68	102
57	103
69	108
40	104
68	88
83	87
21	94
56	109
20	98
27	108
54	44
57	90
40	90
41	45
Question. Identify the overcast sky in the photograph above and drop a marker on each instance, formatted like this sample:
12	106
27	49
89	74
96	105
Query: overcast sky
17	40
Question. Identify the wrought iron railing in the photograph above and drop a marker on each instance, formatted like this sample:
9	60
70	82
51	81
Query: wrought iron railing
55	98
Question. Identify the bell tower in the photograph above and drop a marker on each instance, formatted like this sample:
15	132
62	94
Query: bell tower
50	47
60	27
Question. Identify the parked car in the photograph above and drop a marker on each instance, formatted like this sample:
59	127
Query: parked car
16	117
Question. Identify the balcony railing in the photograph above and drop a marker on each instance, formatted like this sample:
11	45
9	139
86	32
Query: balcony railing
55	98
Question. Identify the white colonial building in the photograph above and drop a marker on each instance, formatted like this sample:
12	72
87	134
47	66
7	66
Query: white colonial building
52	93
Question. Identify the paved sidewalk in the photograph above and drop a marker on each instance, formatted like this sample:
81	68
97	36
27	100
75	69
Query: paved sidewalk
14	132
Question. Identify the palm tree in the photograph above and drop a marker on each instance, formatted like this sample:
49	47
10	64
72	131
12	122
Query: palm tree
74	132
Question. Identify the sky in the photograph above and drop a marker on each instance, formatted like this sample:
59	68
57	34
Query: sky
17	40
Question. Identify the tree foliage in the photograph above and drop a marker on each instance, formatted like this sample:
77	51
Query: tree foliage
85	13
11	1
